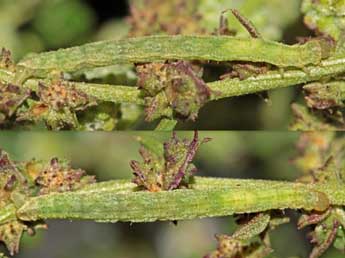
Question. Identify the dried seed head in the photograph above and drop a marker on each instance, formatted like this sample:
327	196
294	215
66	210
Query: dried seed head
10	183
62	94
172	170
320	158
227	247
19	181
312	148
327	229
10	235
14	189
251	239
57	105
11	98
325	96
5	162
11	180
6	60
149	174
60	177
172	17
172	89
152	77
313	120
329	172
178	155
232	247
325	17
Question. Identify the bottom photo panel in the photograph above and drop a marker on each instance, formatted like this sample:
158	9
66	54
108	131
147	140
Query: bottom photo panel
176	194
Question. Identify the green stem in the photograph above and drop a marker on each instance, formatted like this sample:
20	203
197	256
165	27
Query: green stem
209	197
112	93
276	79
166	125
103	92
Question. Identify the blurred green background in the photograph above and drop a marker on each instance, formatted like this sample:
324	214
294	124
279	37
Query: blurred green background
264	155
41	25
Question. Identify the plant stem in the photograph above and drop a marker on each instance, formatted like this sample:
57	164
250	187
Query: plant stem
166	125
103	92
276	79
112	93
209	197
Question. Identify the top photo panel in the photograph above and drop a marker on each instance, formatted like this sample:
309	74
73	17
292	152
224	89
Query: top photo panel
89	65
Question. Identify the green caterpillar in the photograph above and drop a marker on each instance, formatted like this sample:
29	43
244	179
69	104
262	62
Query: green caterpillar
162	48
120	201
